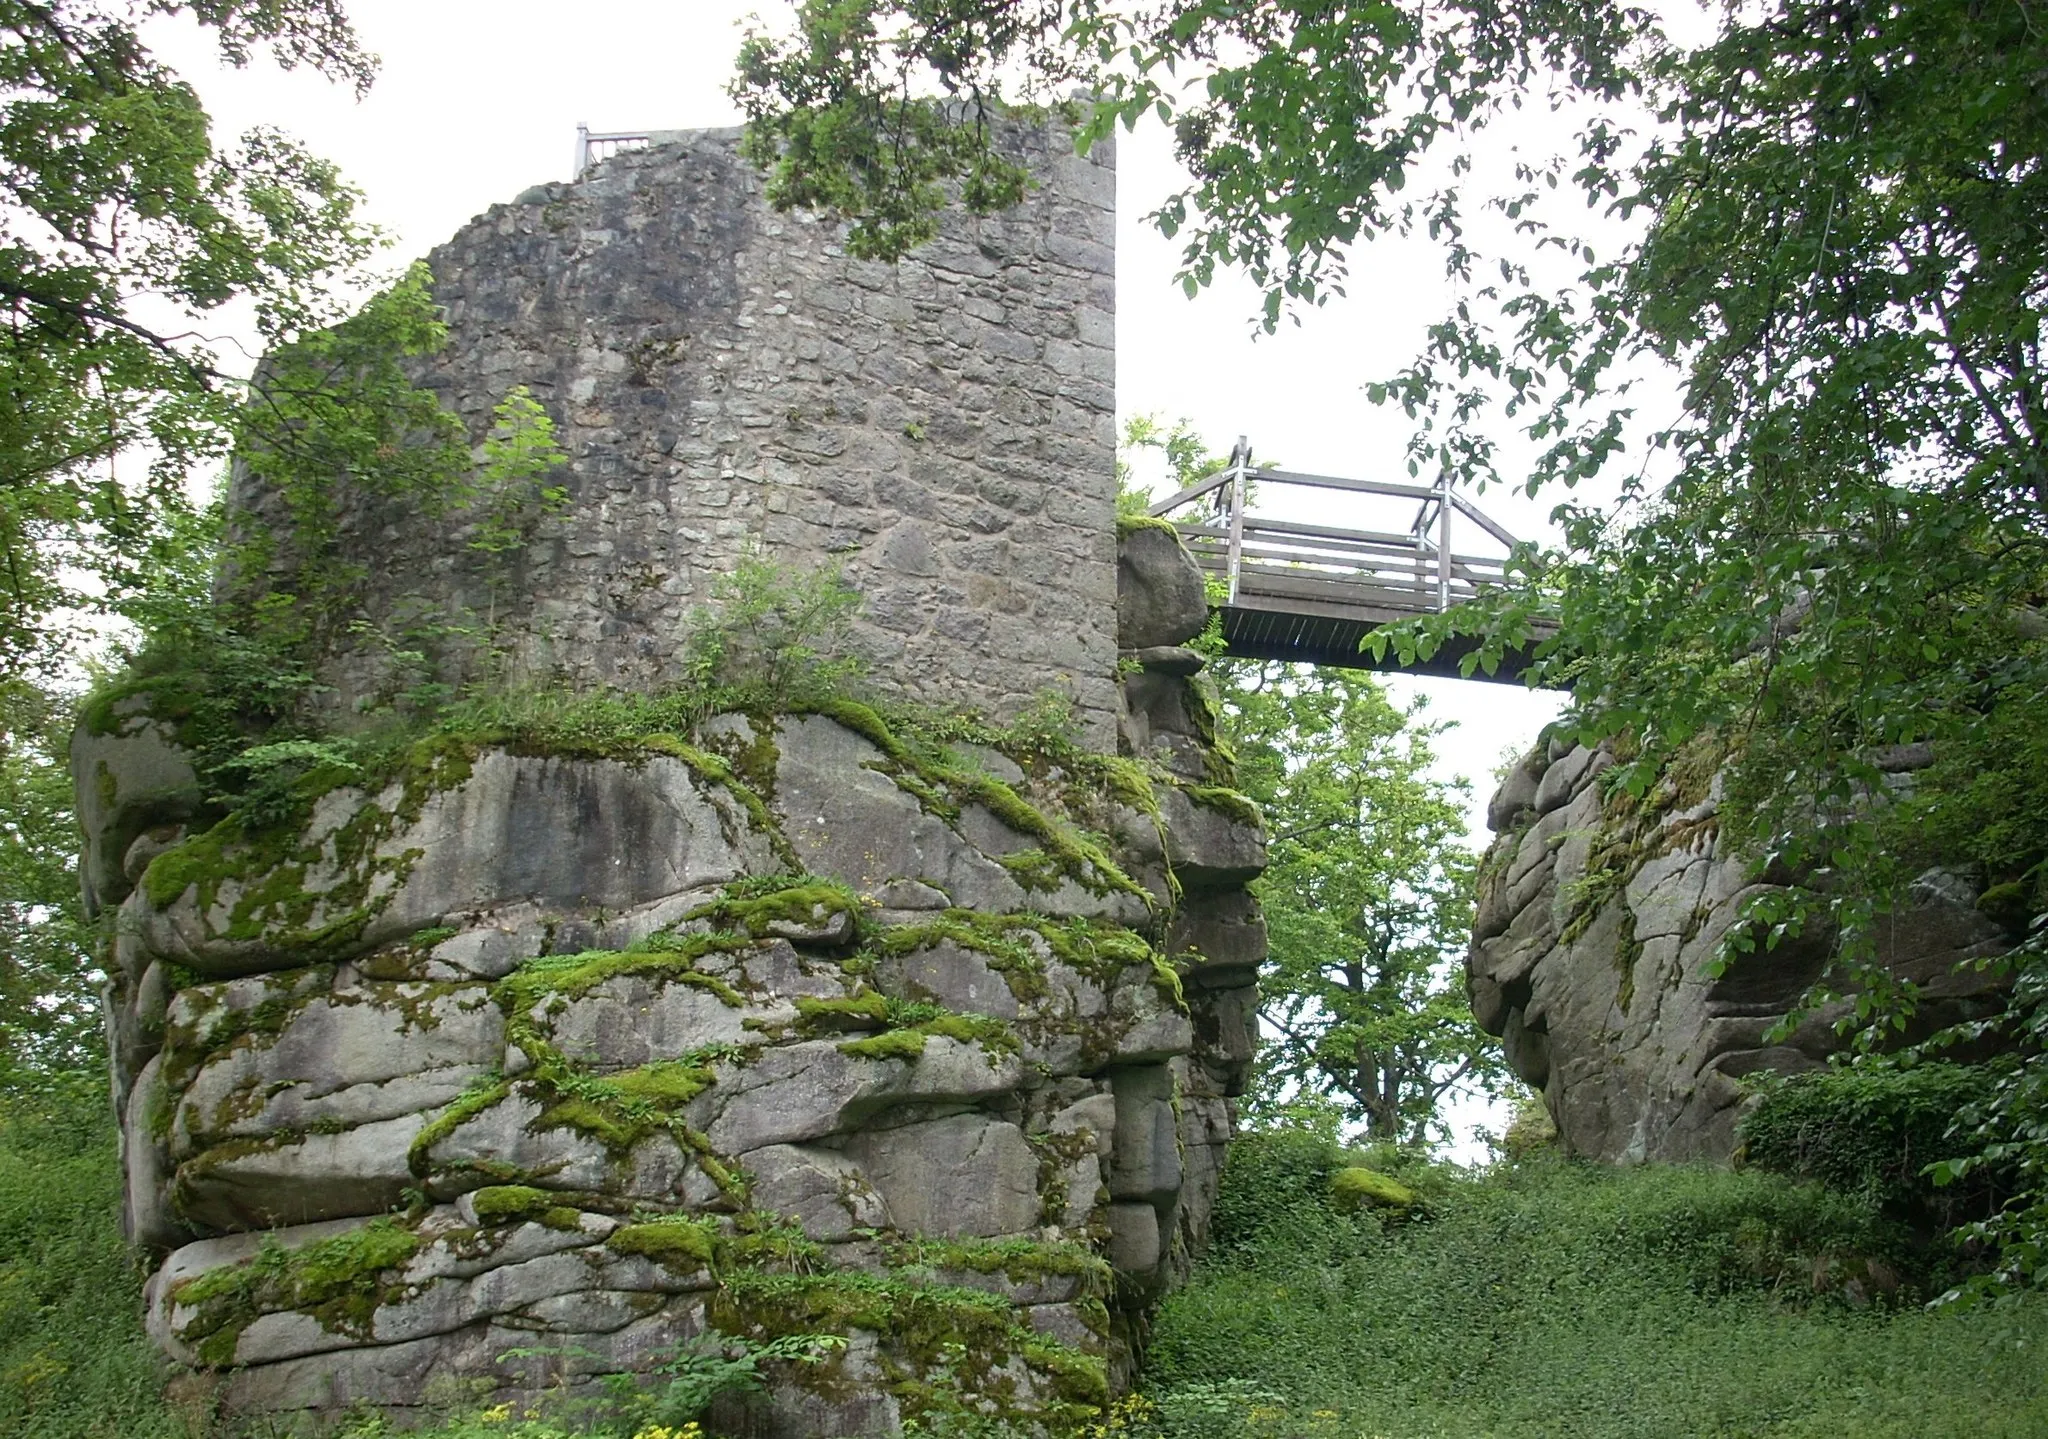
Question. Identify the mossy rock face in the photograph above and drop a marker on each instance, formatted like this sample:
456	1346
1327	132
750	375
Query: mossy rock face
720	1078
1356	1187
1615	953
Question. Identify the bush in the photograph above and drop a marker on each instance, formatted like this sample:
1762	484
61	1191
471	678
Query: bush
1874	1132
1275	1197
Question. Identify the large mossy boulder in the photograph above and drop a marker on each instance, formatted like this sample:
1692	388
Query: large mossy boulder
1595	949
785	1023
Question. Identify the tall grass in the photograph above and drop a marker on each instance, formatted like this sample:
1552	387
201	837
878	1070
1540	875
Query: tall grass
74	1363
1566	1301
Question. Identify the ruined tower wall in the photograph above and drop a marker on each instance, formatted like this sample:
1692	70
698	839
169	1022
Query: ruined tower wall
725	378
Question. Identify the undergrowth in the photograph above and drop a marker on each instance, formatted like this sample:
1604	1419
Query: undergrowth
1540	1299
74	1363
1552	1299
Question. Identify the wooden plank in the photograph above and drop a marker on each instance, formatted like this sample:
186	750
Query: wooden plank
1335	482
1326	532
1357	560
1192	492
1289	545
1347	589
1275	580
1472	512
1291	605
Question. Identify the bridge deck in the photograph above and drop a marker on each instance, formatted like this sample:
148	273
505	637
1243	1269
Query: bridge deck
1312	592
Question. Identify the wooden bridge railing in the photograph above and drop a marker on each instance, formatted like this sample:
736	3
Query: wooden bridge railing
1311	591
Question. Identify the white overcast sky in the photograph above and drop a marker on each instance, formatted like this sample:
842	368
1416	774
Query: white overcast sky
477	101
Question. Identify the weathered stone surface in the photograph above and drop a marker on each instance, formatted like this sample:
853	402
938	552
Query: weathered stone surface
566	834
1145	1159
297	1179
846	818
365	1052
1160	598
1210	849
311	1092
967	1174
126	781
1220	938
952	975
824	1191
1606	1003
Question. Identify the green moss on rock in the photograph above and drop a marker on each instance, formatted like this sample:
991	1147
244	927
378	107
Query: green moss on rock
677	1242
339	1281
761	908
1356	1188
863	1010
943	786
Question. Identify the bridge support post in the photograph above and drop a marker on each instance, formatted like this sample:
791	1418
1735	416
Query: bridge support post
1240	461
1443	542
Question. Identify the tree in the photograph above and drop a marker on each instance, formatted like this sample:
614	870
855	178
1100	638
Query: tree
1836	553
1368	900
49	1013
122	227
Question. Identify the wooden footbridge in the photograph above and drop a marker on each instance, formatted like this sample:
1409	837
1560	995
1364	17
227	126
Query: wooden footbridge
1312	592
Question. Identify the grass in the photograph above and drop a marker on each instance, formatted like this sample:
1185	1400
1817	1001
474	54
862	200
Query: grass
1543	1301
74	1363
1556	1300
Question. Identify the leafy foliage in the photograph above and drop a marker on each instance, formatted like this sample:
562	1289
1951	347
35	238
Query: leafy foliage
1186	456
775	635
49	1022
1303	125
1876	1132
122	226
835	116
74	1363
1368	899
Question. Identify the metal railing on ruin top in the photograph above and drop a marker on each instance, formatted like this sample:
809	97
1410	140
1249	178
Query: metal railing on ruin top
593	146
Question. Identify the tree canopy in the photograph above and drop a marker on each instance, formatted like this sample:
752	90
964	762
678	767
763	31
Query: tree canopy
1368	901
124	224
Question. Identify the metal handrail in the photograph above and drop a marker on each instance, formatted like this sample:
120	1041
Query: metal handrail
1381	564
593	146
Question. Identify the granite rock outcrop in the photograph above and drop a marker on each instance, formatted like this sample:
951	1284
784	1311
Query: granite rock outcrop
796	1022
1599	920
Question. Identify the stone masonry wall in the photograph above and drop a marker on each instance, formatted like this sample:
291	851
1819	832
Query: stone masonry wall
724	378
